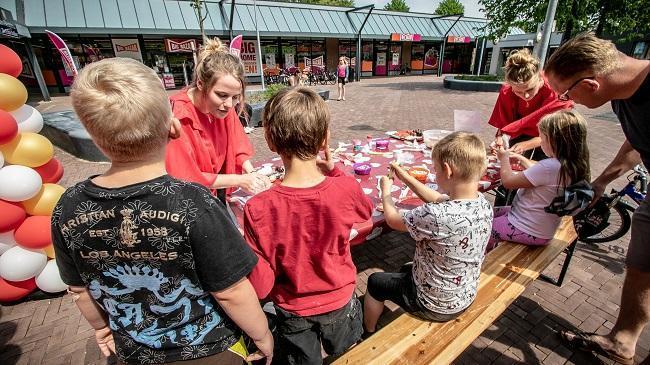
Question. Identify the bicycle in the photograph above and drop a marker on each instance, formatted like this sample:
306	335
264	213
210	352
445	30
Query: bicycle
619	208
330	77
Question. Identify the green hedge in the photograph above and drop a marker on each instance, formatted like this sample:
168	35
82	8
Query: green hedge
479	78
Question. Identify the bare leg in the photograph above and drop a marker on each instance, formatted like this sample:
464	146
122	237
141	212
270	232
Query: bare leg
372	309
633	316
339	87
343	88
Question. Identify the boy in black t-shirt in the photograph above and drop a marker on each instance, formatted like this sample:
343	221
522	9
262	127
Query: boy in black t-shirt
154	263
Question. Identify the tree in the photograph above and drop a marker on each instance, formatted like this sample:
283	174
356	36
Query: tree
618	19
199	6
397	5
450	7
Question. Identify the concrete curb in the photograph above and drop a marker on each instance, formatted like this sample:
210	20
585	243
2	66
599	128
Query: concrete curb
450	82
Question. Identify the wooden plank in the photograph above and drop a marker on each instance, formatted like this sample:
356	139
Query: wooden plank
504	276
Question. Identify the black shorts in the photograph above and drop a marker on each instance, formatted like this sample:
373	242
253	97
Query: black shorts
299	338
399	288
341	80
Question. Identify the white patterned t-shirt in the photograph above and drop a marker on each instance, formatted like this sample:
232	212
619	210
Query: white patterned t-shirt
450	237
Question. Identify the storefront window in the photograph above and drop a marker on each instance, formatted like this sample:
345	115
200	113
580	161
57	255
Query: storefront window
367	57
417	57
318	53
381	55
288	57
641	50
154	55
303	52
270	56
430	58
395	58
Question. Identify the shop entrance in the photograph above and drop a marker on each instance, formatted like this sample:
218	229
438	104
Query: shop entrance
381	58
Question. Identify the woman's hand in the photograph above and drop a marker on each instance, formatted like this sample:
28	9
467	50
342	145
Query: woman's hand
104	338
521	147
254	183
503	155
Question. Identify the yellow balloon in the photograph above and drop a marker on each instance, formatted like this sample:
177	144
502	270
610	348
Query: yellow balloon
49	251
28	149
12	93
43	203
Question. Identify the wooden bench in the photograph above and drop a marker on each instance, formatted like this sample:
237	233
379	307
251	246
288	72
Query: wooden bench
506	272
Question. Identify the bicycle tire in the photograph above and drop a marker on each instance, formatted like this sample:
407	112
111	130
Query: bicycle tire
619	229
332	80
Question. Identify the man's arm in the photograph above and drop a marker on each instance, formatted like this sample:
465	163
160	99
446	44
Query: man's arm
626	158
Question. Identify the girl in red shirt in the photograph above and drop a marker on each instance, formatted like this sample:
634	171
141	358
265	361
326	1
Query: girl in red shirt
523	100
213	149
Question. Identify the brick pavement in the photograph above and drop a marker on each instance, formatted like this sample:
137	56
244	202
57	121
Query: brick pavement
51	331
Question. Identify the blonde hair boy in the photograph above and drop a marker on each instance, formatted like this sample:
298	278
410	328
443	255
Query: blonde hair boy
124	107
465	154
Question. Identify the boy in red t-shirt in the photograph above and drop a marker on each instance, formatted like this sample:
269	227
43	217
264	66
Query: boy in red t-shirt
300	231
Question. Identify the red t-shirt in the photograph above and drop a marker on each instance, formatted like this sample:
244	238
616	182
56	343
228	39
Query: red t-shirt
208	146
302	239
516	116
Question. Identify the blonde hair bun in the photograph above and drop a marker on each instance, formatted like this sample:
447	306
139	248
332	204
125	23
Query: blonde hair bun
212	46
521	66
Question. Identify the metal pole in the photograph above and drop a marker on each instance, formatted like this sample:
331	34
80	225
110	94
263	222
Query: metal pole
37	70
357	68
480	59
442	56
546	35
259	48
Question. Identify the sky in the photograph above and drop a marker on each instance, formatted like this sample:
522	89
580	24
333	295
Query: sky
428	6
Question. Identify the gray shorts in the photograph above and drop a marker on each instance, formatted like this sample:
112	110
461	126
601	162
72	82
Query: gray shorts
638	252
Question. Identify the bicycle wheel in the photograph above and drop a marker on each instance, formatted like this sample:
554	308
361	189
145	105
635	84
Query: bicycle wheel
619	223
332	79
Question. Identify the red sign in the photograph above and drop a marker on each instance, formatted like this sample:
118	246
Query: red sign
405	37
180	45
456	39
133	47
168	81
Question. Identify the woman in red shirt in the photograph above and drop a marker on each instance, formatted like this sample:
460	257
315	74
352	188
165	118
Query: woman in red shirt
523	100
213	149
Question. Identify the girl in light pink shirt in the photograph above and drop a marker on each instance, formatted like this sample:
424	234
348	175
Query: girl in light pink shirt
564	140
342	76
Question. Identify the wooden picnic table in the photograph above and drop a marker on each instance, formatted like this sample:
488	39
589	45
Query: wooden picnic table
376	225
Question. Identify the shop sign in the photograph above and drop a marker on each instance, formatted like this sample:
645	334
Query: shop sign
318	62
180	45
395	59
168	81
127	48
269	59
456	39
381	59
405	37
289	60
8	29
248	56
431	58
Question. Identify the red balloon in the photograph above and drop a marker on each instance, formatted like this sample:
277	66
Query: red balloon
12	215
11	63
51	172
34	233
14	290
8	127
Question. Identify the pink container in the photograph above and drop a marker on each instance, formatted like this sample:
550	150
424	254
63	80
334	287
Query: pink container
382	145
362	168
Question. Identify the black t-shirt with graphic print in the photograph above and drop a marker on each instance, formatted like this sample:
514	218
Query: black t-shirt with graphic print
149	254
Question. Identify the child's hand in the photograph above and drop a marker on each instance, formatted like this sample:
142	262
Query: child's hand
264	349
503	155
496	144
396	170
254	183
386	184
104	338
325	165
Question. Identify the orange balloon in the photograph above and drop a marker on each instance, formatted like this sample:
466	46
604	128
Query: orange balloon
12	93
49	251
43	203
28	149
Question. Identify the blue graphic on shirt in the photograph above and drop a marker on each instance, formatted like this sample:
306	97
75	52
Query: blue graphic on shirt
129	315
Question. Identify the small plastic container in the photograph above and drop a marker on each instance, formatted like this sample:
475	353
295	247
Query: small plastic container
356	145
362	168
382	145
420	173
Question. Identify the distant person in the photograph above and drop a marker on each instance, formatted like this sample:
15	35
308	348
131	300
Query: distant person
342	72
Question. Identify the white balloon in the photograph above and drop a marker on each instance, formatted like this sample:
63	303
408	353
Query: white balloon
28	119
7	241
2	159
18	264
49	280
18	183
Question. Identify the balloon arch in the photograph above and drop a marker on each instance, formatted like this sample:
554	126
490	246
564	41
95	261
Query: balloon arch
28	191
